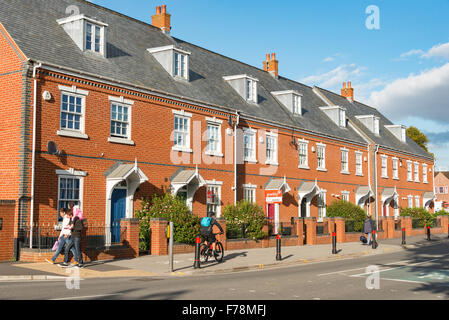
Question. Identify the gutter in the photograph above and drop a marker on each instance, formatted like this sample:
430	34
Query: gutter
33	155
375	179
235	157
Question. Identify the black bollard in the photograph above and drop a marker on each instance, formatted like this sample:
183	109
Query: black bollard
403	236
196	263
334	243
448	230
278	248
428	233
373	240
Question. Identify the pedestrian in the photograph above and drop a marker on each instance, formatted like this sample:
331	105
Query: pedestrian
368	228
64	235
77	228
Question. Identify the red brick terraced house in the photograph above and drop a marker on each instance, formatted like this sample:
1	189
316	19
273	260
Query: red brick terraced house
441	190
102	109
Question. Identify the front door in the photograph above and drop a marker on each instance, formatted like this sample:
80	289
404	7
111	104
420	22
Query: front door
303	208
118	212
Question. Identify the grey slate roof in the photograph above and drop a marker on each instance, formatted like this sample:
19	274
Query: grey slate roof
385	138
33	26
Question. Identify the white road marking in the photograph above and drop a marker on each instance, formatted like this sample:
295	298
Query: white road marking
86	297
349	270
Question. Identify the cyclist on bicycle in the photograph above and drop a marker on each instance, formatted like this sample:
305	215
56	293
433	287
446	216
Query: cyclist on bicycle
207	224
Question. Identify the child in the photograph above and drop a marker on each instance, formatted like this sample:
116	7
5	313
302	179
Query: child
64	235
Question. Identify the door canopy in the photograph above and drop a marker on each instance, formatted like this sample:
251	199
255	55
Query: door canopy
130	173
185	177
278	184
362	193
308	190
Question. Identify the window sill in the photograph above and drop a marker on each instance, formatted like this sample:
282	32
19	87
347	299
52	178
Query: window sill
121	141
250	160
72	134
384	177
321	169
359	175
304	167
272	163
180	149
344	172
395	178
214	154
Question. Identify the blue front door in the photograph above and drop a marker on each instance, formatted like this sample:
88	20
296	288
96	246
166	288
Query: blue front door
118	212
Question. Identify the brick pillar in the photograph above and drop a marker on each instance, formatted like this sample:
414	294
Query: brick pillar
221	237
389	223
131	235
310	223
329	225
299	225
407	224
340	229
158	238
444	221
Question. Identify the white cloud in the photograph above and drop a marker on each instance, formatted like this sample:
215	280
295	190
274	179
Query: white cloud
329	59
425	95
335	77
438	51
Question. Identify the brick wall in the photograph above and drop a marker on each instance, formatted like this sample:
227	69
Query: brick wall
7	217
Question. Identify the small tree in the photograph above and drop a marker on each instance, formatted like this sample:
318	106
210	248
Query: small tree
425	217
172	208
248	215
349	211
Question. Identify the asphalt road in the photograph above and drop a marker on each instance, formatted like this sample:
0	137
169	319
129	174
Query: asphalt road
421	274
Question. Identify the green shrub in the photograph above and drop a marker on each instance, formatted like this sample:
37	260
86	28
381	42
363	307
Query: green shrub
442	212
349	211
246	214
172	208
425	217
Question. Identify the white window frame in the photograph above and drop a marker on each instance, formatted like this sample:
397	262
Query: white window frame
305	145
213	122
251	134
94	36
409	171
250	90
344	158
321	205
384	166
321	166
342	117
410	201
296	104
249	192
358	163
345	195
183	116
274	159
417	202
180	65
213	184
416	171
424	173
376	126
120	101
395	166
76	93
71	174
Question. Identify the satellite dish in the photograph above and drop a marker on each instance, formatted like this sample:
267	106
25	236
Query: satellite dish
52	148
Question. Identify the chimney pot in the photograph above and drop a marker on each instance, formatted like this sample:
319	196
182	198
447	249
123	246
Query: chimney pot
268	57
344	85
273	56
164	8
347	92
158	10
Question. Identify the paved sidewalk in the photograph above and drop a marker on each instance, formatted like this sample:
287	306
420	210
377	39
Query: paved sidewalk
234	261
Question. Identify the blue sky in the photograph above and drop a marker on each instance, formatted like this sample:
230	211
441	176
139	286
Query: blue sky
402	68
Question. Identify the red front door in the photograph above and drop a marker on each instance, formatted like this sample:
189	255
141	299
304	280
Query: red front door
271	212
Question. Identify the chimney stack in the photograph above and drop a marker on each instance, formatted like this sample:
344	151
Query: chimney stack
271	65
161	19
348	92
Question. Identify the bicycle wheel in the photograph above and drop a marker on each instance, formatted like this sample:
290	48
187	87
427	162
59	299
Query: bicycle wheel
219	252
204	253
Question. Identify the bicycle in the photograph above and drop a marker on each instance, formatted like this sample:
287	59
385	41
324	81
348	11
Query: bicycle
206	251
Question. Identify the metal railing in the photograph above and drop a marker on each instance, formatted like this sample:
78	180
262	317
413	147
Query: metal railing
95	236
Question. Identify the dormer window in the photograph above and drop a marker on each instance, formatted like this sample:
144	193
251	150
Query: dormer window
174	60
245	86
93	37
290	99
337	114
88	34
180	69
371	122
399	131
